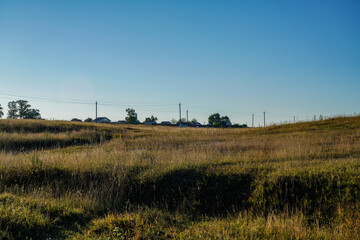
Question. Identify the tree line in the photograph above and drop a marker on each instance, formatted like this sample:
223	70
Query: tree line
214	120
20	109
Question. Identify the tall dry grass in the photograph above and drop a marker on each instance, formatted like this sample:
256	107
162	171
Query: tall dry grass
292	181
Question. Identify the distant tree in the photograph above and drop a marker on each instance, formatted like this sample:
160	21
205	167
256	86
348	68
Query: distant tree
225	121
218	121
23	107
173	121
33	114
194	120
1	112
214	119
76	120
183	120
132	116
89	119
13	110
151	119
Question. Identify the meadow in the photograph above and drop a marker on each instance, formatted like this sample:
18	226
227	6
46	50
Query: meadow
65	180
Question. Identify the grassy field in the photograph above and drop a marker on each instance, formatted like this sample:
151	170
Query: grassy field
63	180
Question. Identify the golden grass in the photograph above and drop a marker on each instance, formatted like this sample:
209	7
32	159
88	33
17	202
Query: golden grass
296	181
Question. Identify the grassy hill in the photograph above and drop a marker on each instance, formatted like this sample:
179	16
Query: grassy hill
97	181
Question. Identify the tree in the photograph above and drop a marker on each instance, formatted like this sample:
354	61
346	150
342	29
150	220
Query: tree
23	108
218	121
173	121
89	119
151	119
214	119
225	121
182	120
194	120
236	125
132	116
1	112
32	114
13	110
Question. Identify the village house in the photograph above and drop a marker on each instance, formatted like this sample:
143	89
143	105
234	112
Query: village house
102	120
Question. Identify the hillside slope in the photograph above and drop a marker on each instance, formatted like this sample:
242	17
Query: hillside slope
139	182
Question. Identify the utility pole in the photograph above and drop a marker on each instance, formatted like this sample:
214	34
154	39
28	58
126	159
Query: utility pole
294	120
264	120
96	110
252	122
180	112
187	116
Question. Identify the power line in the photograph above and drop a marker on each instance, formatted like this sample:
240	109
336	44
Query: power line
213	110
78	101
45	99
17	94
141	109
137	104
147	107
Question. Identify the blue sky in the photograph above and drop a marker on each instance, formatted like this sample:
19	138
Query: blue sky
288	58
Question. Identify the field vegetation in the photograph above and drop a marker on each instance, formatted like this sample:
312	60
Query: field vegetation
64	180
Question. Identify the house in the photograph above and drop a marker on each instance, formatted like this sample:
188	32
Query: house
150	123
228	124
166	123
121	122
76	120
102	120
195	124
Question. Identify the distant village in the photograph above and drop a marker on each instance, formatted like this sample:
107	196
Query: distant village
214	120
163	123
21	109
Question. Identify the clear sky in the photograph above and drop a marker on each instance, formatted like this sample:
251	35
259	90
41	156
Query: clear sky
288	58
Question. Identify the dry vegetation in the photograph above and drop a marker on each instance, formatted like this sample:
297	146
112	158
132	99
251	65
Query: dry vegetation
91	181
